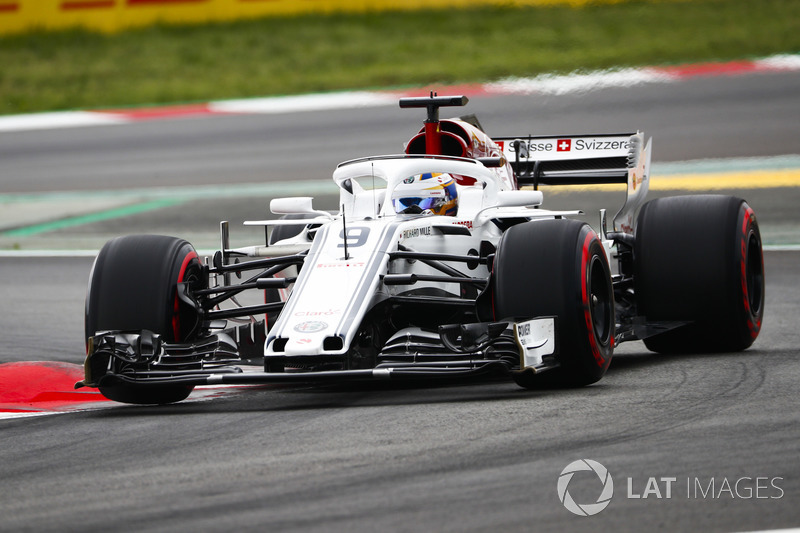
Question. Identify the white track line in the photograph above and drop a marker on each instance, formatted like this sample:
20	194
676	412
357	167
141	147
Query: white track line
64	119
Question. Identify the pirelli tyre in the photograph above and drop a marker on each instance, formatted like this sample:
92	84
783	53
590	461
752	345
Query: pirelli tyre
698	260
133	287
559	268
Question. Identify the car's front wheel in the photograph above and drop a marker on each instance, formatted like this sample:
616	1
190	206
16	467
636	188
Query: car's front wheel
559	268
133	287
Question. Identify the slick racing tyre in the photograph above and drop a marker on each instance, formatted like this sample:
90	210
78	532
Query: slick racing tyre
559	268
133	287
698	260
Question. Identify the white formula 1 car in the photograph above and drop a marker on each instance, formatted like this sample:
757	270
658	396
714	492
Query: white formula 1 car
441	263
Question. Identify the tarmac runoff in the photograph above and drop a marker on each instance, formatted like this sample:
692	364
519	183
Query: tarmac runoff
23	216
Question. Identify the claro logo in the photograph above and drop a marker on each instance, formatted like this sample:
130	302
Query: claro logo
606	492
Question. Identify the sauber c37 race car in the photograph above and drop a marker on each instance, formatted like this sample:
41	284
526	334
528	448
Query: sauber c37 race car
440	263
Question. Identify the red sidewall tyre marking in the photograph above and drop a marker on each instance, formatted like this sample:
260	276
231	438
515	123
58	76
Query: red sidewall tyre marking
753	319
176	319
587	309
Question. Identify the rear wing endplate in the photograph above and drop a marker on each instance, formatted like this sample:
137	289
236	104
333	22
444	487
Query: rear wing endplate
584	160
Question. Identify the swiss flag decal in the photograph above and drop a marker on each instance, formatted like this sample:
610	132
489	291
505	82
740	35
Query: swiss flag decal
564	145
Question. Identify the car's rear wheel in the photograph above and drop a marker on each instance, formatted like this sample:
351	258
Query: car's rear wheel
698	259
559	268
133	287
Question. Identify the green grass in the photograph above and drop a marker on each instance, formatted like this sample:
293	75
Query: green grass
168	64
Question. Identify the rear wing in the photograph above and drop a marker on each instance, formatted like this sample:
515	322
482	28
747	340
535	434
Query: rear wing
584	160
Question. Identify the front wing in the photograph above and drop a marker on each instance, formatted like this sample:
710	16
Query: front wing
144	359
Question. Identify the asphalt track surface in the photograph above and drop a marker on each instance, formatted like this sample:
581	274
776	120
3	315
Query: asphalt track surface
471	457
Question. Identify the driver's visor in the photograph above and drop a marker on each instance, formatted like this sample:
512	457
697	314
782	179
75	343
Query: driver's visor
401	204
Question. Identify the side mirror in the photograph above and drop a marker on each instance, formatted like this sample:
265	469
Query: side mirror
298	205
519	198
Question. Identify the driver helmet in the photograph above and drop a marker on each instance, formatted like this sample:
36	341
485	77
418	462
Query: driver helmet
433	192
